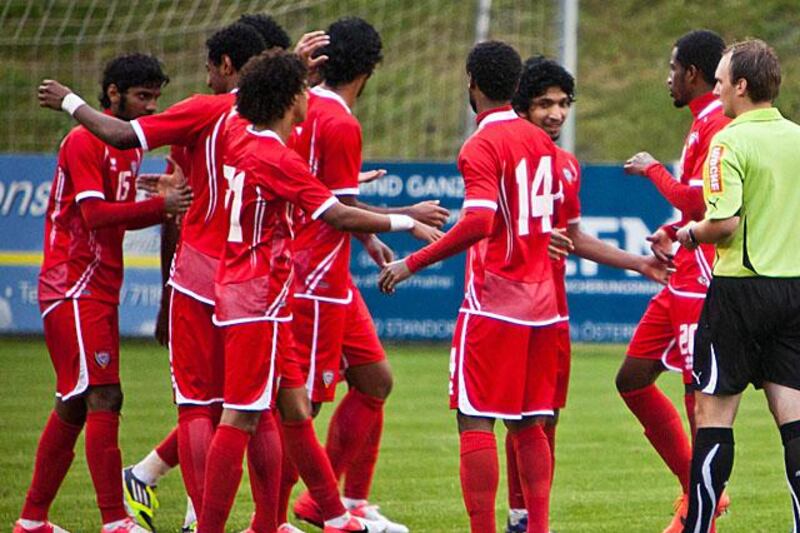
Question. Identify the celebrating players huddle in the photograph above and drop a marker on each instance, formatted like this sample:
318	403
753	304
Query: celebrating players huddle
262	318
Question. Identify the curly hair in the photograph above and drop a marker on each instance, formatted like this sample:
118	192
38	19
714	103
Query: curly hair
355	49
238	41
495	67
131	70
269	84
273	34
538	75
703	49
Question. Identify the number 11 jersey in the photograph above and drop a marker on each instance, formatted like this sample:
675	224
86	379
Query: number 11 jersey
507	166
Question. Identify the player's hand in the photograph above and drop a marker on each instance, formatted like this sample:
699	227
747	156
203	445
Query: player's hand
639	164
159	184
392	274
654	269
429	212
371	175
178	199
162	320
685	237
51	94
310	43
424	232
379	251
661	245
560	244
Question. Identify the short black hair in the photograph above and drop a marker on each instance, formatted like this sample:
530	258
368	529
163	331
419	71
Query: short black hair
268	85
355	49
131	70
495	67
703	49
238	41
273	34
538	75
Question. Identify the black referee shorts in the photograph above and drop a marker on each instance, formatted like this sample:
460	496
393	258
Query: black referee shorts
749	332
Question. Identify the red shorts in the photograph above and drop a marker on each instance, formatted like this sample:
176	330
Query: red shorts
666	332
330	338
564	362
196	351
502	370
253	354
82	337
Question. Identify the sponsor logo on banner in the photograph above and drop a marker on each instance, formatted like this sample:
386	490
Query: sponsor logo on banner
102	358
715	169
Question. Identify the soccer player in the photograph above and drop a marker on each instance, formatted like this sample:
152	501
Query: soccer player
92	204
663	340
504	354
544	97
748	331
332	326
254	278
196	345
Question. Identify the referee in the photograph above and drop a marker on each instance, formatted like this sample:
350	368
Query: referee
749	330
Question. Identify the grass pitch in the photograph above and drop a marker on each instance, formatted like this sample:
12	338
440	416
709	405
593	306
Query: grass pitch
608	479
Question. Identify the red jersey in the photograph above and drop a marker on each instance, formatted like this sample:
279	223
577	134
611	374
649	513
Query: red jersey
330	141
195	124
692	267
264	179
568	172
508	163
80	262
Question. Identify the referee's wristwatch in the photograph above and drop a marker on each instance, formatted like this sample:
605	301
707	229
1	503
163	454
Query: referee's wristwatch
692	238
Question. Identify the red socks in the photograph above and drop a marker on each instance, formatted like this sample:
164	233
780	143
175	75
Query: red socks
516	499
105	463
289	476
53	459
314	467
663	428
550	433
350	428
534	461
167	450
195	429
223	474
359	475
479	478
264	464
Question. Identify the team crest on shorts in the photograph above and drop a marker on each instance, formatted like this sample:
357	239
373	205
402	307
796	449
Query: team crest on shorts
102	358
327	378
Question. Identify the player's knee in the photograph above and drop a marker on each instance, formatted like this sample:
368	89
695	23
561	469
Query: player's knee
105	398
246	421
316	407
293	405
72	411
374	380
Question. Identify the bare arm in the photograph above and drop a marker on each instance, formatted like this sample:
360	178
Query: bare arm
111	130
428	212
355	220
707	231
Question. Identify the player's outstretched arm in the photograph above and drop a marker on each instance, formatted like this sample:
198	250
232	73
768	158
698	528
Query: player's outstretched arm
99	213
709	231
594	249
428	212
111	130
686	199
355	220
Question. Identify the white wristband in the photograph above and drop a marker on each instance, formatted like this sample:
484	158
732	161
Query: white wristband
71	103
400	222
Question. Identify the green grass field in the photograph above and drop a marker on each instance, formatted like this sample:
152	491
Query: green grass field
607	478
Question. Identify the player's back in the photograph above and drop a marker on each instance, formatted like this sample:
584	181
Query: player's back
80	262
509	162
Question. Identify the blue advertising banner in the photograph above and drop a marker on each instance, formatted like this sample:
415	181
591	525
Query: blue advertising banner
605	304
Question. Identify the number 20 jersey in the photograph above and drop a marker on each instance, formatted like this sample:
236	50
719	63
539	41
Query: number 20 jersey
507	165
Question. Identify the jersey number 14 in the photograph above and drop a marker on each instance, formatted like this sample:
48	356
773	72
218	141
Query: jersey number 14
538	201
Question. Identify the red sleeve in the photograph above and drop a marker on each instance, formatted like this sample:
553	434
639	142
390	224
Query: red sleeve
300	187
180	123
342	157
133	215
688	200
482	172
84	157
570	173
474	226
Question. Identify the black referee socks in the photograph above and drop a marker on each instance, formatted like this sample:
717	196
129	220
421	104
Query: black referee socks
790	435
712	463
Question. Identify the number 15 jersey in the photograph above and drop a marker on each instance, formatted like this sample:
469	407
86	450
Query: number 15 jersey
507	166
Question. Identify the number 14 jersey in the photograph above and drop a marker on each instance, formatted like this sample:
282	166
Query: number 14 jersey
507	167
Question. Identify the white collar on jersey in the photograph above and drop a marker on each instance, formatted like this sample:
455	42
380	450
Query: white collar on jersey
498	116
265	133
708	109
326	93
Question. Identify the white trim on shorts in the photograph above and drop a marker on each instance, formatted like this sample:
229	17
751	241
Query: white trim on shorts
83	372
665	356
312	358
265	400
